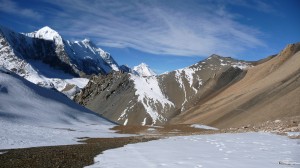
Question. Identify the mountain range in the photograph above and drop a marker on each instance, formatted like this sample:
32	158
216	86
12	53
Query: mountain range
45	58
217	91
127	98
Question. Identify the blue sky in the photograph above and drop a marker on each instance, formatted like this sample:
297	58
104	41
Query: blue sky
165	34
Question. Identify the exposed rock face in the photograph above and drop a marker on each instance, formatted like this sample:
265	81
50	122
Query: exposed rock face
269	91
132	99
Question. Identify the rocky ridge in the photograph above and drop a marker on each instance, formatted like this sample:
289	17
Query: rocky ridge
156	99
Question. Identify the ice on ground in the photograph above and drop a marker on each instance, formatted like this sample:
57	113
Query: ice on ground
203	127
247	150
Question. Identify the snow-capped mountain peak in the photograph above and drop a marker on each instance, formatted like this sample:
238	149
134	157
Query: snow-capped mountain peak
45	58
46	33
143	70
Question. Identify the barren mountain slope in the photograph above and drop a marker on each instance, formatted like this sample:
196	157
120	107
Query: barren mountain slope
131	99
268	91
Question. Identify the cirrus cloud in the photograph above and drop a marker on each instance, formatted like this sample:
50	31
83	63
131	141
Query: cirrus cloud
171	27
11	7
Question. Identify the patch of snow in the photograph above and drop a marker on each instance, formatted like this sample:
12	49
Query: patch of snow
277	121
288	162
124	114
245	150
189	75
241	65
126	121
3	152
150	95
293	134
203	127
156	126
178	78
144	121
80	82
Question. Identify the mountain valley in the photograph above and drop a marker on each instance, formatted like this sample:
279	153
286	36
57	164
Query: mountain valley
63	102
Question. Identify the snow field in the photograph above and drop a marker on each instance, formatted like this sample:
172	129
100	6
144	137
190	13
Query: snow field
247	150
32	116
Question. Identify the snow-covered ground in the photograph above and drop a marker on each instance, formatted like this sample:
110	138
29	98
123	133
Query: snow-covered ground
31	116
16	135
246	150
200	126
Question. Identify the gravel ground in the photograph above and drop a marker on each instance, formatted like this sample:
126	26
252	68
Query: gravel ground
69	156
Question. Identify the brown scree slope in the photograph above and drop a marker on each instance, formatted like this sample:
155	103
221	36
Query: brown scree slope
268	91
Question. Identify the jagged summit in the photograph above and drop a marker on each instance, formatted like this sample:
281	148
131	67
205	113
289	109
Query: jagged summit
143	70
86	40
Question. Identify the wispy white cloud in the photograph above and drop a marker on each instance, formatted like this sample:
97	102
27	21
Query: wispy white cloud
184	28
259	5
11	7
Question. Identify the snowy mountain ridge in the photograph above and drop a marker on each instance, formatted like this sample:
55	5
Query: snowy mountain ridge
45	58
78	50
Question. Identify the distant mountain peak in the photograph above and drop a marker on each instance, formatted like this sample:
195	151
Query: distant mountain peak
143	70
86	40
46	33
